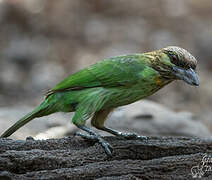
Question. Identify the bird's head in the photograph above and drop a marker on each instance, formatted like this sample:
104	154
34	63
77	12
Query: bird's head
180	65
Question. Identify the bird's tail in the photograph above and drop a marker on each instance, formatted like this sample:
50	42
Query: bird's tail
42	110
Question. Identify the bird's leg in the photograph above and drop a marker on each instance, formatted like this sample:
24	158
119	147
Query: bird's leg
83	111
98	122
124	135
94	136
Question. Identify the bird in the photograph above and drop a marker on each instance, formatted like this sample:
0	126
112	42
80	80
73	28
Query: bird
95	91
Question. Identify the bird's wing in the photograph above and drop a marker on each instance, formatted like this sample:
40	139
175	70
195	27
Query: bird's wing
113	72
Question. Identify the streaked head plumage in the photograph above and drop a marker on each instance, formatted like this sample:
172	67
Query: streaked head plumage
181	57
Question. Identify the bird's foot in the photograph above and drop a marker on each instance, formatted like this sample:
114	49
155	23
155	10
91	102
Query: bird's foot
85	136
131	136
108	148
124	135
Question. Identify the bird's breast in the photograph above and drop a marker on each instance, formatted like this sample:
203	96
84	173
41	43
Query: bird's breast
124	96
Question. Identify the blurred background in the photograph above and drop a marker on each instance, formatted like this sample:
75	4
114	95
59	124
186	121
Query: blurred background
43	41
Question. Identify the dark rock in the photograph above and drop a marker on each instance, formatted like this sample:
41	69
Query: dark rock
74	158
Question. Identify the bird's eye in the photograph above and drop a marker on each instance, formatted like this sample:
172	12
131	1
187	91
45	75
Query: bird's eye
174	58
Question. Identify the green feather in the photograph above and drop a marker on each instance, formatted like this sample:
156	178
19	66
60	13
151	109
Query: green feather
114	72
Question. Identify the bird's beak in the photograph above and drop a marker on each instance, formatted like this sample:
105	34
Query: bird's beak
189	75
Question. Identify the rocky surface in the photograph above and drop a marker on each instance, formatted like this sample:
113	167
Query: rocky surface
74	158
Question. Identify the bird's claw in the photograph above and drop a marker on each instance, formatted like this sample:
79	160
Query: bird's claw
108	148
132	136
141	137
85	136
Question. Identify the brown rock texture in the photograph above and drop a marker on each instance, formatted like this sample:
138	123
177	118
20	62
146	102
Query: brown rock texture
76	158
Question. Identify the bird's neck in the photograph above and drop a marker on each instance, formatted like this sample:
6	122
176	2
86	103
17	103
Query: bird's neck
160	61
